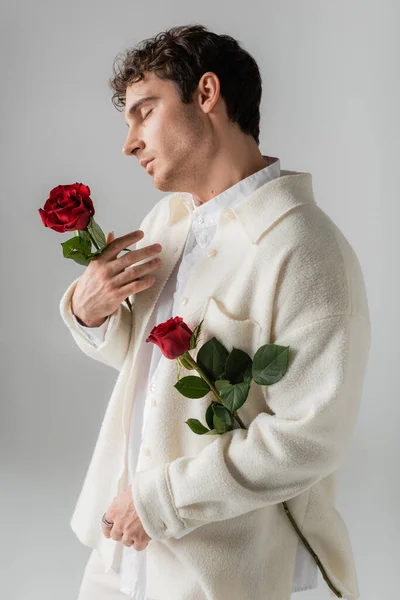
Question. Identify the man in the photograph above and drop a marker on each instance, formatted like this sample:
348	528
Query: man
261	264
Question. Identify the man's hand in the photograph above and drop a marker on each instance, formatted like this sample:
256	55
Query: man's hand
107	280
127	527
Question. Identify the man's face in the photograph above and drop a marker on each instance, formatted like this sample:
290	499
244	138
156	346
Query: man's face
164	129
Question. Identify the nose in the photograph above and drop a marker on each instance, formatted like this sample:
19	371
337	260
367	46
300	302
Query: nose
127	149
130	147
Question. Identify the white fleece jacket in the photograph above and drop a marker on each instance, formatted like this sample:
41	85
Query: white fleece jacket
283	273
133	572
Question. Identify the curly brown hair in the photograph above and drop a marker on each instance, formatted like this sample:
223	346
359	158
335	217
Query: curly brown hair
183	54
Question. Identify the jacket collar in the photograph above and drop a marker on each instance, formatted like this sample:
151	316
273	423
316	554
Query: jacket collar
258	212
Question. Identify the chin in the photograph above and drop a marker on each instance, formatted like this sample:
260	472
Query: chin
163	184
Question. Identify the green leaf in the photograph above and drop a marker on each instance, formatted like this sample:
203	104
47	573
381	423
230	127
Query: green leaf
238	366
196	426
247	376
210	416
220	383
76	244
270	363
211	358
192	386
195	335
79	258
79	248
223	420
233	396
97	233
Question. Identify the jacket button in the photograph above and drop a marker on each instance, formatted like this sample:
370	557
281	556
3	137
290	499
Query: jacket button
230	214
184	300
212	252
146	451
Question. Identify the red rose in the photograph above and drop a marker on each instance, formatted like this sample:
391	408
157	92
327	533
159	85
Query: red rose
68	208
172	337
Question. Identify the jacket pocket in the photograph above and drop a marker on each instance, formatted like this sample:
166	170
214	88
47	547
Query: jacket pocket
243	334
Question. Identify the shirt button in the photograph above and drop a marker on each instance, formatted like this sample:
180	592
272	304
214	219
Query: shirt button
230	214
153	386
146	451
184	300
212	252
153	402
200	220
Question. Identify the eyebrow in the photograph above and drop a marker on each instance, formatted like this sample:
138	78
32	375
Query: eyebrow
138	103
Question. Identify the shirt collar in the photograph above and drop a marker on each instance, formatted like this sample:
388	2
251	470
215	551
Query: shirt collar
235	193
257	201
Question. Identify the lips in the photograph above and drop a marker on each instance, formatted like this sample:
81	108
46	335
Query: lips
148	162
144	163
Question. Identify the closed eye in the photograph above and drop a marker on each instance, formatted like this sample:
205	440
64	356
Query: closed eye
147	114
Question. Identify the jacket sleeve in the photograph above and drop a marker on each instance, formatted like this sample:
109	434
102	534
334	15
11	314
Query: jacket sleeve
279	456
113	349
95	334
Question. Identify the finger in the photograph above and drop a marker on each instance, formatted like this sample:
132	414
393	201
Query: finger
116	245
139	546
110	237
116	534
106	530
127	541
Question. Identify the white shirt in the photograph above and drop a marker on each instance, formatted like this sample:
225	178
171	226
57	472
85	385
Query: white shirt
204	219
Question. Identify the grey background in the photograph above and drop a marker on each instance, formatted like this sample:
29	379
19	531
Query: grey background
330	107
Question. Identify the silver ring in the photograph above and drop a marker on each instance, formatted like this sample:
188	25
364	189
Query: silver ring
106	523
